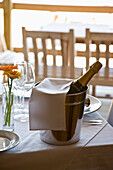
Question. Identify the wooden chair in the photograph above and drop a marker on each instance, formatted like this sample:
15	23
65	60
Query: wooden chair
61	44
105	75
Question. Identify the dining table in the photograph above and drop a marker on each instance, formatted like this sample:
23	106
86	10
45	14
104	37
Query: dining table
78	27
94	150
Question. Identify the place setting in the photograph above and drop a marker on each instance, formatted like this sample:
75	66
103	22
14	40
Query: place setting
92	104
8	140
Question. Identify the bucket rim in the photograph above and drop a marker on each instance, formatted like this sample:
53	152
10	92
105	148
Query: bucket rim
74	94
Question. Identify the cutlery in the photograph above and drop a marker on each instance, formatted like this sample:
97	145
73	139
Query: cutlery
90	123
93	121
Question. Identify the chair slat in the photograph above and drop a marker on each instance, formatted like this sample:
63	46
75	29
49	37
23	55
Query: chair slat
107	56
25	47
97	53
71	52
97	50
54	56
87	52
45	57
64	54
36	57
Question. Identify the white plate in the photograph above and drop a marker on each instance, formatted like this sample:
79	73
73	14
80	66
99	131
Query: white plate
8	140
95	104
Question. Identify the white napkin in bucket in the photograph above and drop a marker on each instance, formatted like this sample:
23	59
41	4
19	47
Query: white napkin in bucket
47	104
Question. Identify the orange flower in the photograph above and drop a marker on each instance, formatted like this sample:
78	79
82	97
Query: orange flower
6	68
12	74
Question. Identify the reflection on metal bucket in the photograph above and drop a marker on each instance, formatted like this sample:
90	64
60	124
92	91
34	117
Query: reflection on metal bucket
74	108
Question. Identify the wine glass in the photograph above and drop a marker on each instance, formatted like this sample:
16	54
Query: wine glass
20	115
29	84
30	78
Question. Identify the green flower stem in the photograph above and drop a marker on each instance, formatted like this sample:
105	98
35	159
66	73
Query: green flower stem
6	113
6	108
9	102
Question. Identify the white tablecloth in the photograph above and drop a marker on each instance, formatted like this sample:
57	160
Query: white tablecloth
79	28
30	140
94	150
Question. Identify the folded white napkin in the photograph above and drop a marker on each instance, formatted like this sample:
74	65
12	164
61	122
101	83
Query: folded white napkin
47	104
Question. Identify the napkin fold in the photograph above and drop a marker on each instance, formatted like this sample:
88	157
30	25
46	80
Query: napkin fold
47	104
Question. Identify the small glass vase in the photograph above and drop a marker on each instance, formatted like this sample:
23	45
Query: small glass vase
8	110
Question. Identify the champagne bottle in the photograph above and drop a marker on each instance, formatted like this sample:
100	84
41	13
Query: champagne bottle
80	84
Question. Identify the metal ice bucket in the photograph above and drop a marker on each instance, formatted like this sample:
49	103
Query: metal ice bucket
74	108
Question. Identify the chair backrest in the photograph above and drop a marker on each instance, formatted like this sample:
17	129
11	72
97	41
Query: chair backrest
99	39
60	43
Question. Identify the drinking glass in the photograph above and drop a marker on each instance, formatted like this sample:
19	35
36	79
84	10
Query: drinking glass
30	78
29	84
20	115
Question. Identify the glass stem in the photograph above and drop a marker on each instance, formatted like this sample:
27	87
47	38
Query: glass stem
21	100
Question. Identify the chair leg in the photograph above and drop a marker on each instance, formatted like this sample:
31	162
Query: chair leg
93	90
88	91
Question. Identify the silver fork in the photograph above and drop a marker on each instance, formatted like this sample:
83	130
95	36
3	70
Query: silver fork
92	122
